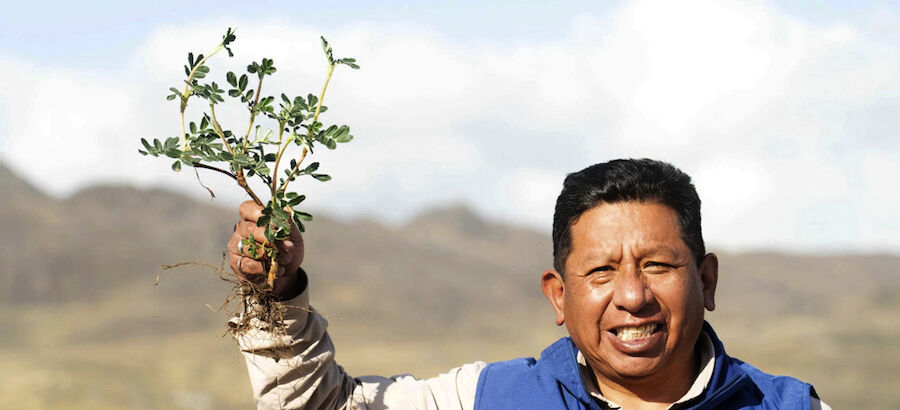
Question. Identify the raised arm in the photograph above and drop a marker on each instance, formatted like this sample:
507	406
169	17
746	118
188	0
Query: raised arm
297	370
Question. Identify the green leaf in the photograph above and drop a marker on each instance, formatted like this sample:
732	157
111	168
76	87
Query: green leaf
350	62
227	39
296	201
300	102
310	168
303	216
322	177
176	166
342	134
231	78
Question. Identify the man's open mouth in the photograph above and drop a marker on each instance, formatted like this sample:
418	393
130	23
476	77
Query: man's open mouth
628	333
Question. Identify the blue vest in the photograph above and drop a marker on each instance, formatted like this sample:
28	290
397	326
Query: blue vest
554	382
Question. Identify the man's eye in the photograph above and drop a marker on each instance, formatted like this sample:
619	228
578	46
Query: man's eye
656	266
602	269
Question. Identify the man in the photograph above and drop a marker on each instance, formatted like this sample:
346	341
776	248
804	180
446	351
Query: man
631	280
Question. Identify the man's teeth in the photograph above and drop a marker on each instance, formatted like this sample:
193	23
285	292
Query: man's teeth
631	333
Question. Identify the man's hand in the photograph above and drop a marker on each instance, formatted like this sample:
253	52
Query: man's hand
254	268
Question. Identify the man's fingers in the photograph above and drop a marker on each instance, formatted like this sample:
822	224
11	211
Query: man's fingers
250	266
295	233
293	246
241	268
253	267
250	211
285	251
248	229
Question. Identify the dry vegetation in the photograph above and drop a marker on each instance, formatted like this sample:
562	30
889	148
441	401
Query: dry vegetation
84	327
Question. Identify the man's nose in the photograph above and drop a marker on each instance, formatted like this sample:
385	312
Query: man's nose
631	292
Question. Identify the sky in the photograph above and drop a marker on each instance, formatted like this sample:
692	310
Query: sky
784	113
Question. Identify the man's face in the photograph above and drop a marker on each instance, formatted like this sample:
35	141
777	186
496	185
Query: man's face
632	297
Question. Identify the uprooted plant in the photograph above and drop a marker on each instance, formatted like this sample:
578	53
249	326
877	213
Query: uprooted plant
257	151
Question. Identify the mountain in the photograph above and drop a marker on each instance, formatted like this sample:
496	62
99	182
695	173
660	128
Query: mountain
448	287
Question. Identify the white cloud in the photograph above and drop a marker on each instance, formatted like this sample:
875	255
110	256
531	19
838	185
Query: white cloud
788	127
528	195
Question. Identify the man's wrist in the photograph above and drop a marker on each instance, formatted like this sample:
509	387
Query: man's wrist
296	287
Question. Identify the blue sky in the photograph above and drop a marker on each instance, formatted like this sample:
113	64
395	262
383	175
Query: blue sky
784	112
79	33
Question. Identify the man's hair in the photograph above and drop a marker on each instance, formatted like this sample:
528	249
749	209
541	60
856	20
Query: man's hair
626	180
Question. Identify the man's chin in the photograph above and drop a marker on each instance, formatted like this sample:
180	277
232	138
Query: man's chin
636	367
627	366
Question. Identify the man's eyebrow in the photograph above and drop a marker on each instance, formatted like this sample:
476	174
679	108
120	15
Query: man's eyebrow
657	249
595	260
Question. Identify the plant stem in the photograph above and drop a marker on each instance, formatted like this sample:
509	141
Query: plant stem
183	135
243	183
322	95
252	114
294	171
185	94
239	173
219	170
315	119
273	269
278	158
212	111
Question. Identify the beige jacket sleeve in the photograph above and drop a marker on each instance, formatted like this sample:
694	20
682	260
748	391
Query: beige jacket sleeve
307	377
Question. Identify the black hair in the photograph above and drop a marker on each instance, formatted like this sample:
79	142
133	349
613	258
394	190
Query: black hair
626	180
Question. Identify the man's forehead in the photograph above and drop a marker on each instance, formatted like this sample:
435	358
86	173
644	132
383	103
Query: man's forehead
647	227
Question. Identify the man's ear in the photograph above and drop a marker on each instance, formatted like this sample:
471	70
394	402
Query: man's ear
554	287
709	276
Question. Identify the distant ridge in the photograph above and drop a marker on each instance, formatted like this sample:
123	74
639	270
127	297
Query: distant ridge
457	217
15	188
450	285
103	235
